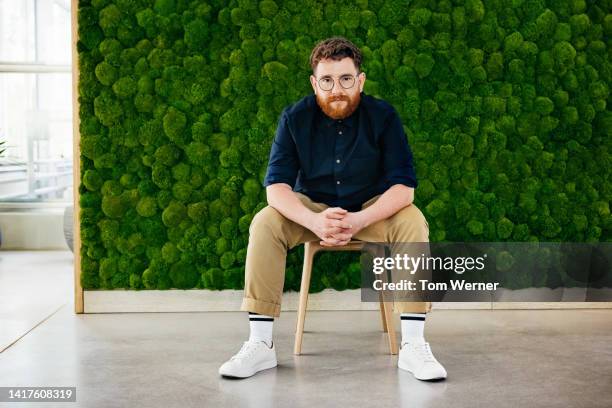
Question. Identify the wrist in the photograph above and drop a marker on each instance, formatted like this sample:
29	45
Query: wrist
364	218
306	218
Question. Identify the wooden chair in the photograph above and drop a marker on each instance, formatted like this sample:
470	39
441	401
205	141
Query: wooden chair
386	308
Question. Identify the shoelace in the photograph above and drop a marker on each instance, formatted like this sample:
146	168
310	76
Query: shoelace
424	351
245	351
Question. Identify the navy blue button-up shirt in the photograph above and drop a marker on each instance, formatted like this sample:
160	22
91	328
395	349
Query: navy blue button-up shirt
342	163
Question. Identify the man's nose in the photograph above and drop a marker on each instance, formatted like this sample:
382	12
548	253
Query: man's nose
337	90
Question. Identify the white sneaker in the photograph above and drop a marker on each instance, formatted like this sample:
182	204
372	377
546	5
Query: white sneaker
417	358
254	356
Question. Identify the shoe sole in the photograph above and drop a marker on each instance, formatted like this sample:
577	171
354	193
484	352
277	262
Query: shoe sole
404	367
264	366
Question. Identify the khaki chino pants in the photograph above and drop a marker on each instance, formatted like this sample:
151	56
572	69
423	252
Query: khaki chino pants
271	235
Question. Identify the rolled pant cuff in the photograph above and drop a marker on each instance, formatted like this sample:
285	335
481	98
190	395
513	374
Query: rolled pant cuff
261	307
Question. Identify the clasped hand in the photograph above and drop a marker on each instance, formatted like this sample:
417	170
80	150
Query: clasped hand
336	226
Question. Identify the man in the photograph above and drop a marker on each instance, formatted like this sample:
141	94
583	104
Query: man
340	168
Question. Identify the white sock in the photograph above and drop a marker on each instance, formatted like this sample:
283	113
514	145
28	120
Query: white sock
413	325
261	328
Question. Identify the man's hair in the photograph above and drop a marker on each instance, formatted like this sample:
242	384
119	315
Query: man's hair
335	48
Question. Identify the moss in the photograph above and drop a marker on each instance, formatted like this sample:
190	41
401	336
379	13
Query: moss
506	109
147	207
92	180
174	213
174	125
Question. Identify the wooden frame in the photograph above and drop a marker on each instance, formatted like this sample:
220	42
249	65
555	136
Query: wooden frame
76	159
79	301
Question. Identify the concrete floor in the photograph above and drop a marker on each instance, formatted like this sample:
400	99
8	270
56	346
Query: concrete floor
33	285
545	358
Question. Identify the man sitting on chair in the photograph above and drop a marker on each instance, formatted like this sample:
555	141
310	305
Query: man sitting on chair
340	168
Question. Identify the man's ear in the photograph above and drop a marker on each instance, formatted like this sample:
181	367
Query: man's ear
362	79
313	82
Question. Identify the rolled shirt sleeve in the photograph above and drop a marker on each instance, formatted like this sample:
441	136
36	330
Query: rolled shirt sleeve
283	164
398	164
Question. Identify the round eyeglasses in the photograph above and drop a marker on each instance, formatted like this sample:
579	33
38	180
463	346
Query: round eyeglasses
327	83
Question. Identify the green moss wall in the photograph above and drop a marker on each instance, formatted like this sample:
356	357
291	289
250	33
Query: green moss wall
504	104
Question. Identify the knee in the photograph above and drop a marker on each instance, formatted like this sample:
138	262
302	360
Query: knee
410	224
268	220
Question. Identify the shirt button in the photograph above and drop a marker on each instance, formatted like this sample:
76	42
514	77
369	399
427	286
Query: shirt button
338	182
340	132
337	160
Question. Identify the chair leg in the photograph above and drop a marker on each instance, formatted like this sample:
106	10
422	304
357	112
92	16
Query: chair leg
383	318
386	310
309	253
388	306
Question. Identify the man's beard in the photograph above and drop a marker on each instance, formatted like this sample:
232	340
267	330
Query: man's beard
338	112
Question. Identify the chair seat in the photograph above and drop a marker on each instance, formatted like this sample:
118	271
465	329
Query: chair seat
386	308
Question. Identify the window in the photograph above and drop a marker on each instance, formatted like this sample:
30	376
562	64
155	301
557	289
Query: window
35	101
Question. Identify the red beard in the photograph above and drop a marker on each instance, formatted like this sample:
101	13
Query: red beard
336	111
